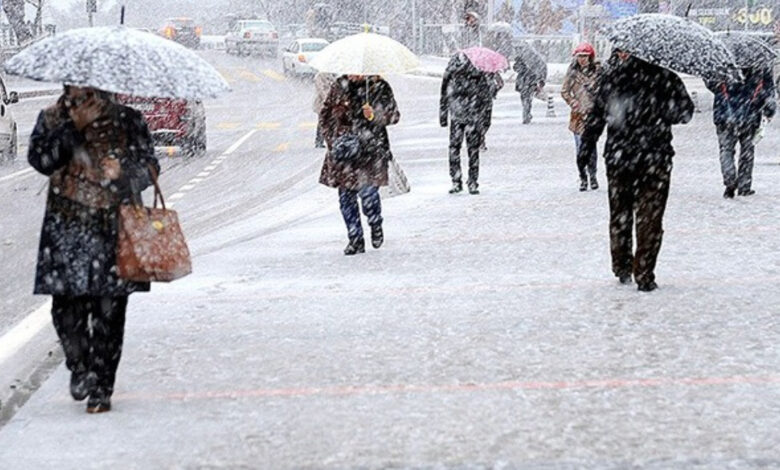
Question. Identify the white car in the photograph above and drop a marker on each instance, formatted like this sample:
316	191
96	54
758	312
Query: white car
8	132
297	56
252	36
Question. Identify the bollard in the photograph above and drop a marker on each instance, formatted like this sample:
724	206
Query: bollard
695	99
550	107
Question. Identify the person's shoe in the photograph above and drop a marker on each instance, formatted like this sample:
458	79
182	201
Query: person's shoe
583	185
473	188
729	192
483	147
79	385
456	187
624	279
594	185
355	246
377	236
746	192
647	286
98	403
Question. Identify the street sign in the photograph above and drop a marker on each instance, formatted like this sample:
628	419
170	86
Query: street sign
91	6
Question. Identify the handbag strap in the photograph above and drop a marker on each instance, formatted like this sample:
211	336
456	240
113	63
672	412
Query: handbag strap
157	191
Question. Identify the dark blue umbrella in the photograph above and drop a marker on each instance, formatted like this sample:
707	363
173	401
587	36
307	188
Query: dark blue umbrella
748	50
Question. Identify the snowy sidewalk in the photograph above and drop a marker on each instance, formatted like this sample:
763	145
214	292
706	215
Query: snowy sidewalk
488	332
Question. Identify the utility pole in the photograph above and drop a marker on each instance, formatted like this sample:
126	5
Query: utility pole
491	7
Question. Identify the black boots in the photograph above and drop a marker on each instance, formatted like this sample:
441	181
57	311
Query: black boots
647	286
377	236
473	188
746	192
583	185
355	246
457	187
624	278
98	403
729	192
79	385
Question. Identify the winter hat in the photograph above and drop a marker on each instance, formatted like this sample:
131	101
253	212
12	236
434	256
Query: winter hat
585	49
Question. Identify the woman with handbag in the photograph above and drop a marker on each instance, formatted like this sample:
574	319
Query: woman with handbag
354	120
97	155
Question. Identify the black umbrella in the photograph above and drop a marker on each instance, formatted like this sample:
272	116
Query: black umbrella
748	50
675	43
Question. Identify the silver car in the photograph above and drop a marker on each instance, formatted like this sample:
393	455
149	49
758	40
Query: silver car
252	37
297	56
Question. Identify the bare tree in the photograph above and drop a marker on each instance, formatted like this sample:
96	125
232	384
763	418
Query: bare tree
14	11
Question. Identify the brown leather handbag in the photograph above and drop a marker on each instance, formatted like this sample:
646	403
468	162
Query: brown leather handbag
152	246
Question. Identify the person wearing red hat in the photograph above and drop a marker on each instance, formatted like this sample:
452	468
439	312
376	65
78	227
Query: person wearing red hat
579	90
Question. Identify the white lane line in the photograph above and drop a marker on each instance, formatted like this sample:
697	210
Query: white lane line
240	141
196	180
15	338
203	174
18	336
187	187
18	174
210	168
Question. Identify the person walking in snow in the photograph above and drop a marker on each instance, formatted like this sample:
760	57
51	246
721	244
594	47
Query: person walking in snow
578	91
354	120
737	112
97	154
466	97
531	77
638	103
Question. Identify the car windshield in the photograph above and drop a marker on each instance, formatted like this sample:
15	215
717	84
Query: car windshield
313	46
258	25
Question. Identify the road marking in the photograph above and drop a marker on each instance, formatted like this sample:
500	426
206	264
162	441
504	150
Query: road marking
228	125
15	338
227	75
210	168
308	125
203	174
24	331
273	75
18	174
187	187
249	76
269	125
282	147
509	385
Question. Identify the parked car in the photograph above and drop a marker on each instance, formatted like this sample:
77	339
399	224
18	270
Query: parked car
9	137
182	30
252	36
296	56
173	122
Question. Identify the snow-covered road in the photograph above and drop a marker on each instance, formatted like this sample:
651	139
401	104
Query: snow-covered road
488	331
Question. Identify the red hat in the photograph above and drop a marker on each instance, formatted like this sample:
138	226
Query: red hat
585	49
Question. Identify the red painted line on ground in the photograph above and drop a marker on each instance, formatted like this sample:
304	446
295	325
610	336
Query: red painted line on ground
354	390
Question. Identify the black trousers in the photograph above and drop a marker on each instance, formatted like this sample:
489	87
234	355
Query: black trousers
639	193
473	135
91	331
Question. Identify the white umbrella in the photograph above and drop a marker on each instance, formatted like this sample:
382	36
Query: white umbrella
120	60
365	54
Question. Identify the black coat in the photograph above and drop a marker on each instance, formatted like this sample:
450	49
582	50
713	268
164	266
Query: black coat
638	103
77	251
743	104
466	92
531	68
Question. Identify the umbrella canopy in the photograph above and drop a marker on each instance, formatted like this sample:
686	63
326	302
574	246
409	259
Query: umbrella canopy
365	54
119	60
675	43
486	60
748	51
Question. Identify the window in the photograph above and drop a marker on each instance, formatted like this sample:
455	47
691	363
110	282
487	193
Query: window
313	46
